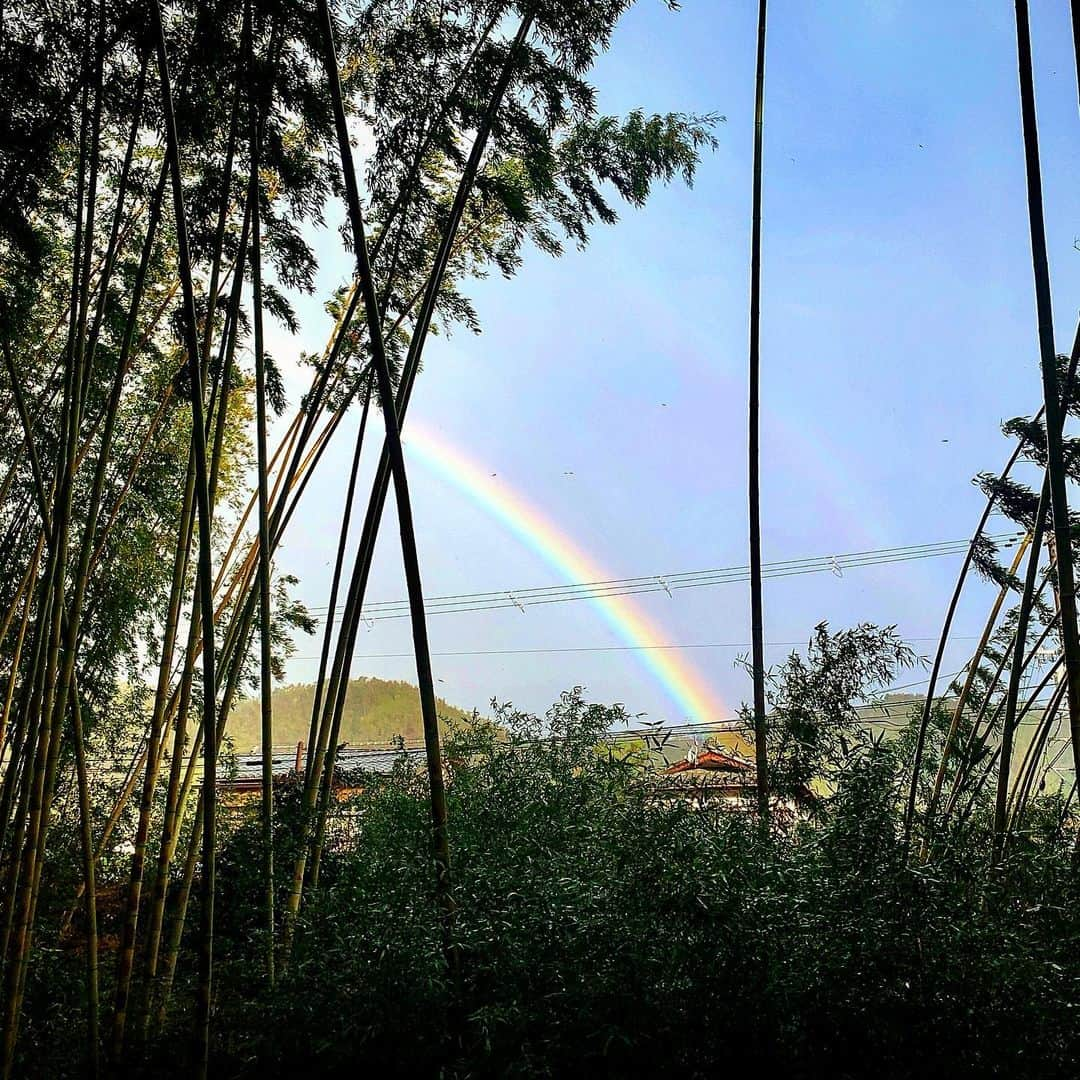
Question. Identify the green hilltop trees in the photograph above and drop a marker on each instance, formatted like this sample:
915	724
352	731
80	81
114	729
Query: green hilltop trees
376	712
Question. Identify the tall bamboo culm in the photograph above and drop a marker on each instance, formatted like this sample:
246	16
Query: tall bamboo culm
265	553
404	508
1055	466
205	568
757	619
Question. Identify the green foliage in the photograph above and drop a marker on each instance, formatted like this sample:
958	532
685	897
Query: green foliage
605	925
376	712
605	930
817	724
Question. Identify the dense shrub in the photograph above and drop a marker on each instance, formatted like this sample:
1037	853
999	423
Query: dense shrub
605	930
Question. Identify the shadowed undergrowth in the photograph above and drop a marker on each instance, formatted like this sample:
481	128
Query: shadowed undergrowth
608	930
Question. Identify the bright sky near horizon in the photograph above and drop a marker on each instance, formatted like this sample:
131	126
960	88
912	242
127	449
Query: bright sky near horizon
607	390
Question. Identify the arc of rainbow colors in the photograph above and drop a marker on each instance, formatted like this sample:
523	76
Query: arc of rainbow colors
681	681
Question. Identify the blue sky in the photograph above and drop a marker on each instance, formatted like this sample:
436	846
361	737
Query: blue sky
897	313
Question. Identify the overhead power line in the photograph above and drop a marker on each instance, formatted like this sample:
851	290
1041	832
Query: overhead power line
522	598
607	648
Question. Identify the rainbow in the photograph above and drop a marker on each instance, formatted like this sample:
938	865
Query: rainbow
692	695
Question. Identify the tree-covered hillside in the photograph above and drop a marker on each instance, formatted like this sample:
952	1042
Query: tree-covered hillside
376	711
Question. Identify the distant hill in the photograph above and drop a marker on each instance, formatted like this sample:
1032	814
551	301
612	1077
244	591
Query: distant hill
376	711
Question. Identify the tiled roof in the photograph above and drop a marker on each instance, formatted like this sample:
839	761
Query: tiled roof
350	759
710	761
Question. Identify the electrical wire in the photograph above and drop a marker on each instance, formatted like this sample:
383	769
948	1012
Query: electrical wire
521	598
607	648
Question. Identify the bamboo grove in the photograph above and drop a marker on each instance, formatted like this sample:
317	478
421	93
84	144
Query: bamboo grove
1030	638
1032	641
162	170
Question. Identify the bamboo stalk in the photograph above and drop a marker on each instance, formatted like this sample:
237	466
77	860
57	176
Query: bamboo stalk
1008	729
9	692
233	667
41	490
757	630
969	681
53	690
1075	6
335	584
126	955
119	805
943	640
205	574
175	795
1059	503
1022	791
404	507
16	779
86	837
339	673
265	664
975	736
320	738
992	762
